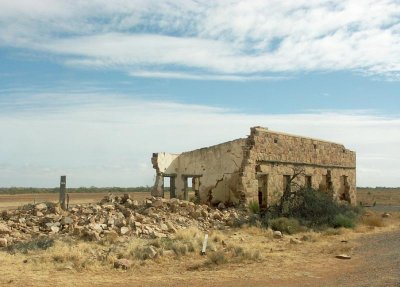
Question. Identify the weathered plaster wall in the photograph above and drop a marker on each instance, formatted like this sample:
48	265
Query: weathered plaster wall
217	168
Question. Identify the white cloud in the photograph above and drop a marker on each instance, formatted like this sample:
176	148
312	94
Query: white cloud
232	38
201	77
108	140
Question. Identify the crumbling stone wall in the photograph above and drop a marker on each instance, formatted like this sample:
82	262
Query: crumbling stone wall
216	168
255	168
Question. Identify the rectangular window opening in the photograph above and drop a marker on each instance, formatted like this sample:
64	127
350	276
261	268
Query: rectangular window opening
286	182
308	183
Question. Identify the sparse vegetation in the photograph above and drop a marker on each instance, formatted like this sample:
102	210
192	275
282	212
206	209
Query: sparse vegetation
217	258
286	225
254	207
317	209
341	220
40	243
372	219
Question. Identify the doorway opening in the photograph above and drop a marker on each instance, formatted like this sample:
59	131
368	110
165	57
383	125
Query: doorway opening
344	189
191	185
169	185
263	191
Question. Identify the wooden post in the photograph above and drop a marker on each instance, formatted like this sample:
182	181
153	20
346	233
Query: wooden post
63	184
203	250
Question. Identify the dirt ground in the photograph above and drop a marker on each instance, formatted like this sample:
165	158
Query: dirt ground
375	261
379	196
12	201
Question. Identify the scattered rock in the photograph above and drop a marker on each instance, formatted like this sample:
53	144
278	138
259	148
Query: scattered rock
150	252
4	229
3	242
157	203
221	205
67	220
386	215
122	263
124	230
115	218
55	229
295	241
157	234
40	206
164	227
343	256
277	234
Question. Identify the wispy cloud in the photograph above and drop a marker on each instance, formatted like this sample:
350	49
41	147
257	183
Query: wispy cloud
232	38
203	77
108	140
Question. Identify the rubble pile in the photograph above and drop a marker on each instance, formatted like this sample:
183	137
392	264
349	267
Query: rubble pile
114	216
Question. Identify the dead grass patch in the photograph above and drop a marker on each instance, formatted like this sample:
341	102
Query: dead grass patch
372	219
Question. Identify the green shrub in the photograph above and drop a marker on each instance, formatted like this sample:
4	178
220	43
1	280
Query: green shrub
285	225
342	220
254	207
317	209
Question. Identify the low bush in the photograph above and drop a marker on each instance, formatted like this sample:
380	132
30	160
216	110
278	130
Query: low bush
342	220
217	258
40	243
317	209
286	225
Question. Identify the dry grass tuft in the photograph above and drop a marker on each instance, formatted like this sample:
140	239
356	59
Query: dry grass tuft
373	220
217	258
258	231
339	248
333	231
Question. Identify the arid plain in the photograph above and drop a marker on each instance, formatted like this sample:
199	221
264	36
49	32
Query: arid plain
243	256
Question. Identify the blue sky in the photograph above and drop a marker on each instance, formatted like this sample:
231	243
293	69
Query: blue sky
91	88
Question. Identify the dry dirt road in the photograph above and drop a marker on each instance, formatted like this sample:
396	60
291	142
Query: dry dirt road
376	262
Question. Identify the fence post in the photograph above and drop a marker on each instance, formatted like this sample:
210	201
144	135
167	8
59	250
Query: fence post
203	250
63	184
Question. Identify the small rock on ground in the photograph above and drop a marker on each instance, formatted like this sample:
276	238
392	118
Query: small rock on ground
343	256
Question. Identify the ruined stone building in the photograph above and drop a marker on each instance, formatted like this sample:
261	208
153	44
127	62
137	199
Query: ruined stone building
257	168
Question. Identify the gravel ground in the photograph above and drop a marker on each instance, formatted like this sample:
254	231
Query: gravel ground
376	263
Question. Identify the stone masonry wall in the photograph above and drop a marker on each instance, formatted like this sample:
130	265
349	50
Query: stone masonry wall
277	154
